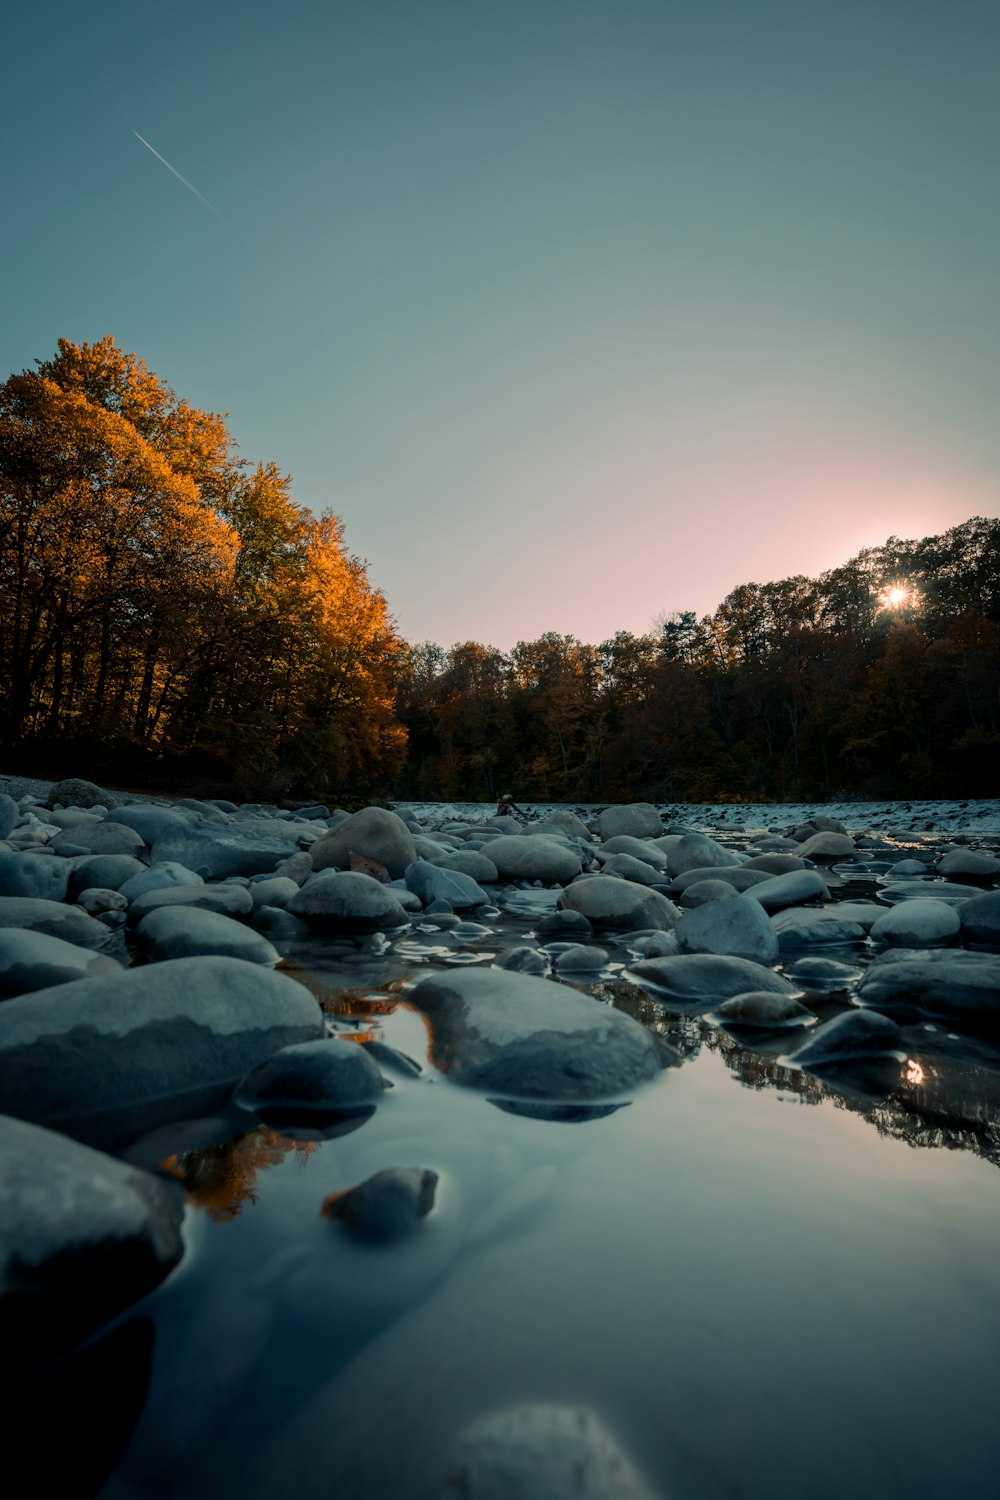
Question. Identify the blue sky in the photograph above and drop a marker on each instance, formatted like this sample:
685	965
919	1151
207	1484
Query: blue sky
575	312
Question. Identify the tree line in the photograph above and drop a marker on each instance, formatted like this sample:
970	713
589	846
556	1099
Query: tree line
168	610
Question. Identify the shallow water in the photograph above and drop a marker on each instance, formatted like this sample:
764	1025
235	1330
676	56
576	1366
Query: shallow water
765	1285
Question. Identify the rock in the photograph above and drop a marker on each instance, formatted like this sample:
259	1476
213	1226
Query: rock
791	889
110	871
737	877
82	1236
149	821
433	883
530	1038
297	867
56	920
627	867
218	853
580	958
159	877
42	877
653	944
272	890
699	892
539	1452
96	900
185	932
764	1008
701	978
739	927
968	864
856	1033
696	851
345	899
519	858
940	983
9	815
388	1206
106	838
817	973
373	831
326	1076
643	849
776	863
76	793
618	904
980	919
522	960
799	927
562	821
469	862
824	848
561	924
226	900
637	819
917	924
112	1057
35	961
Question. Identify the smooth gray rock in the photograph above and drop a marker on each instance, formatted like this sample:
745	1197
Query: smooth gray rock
272	890
113	1057
433	883
345	899
96	900
105	838
326	1075
149	821
563	821
74	792
56	920
618	904
791	889
696	851
825	847
738	876
917	924
775	863
43	877
227	900
939	982
518	857
644	849
563	924
856	1033
185	932
700	978
82	1236
9	815
34	961
980	919
374	832
387	1206
539	1452
739	927
580	958
158	878
469	862
968	864
798	927
699	892
529	1038
216	854
109	871
766	1009
522	960
637	819
627	867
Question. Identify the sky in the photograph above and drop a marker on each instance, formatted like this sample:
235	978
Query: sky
575	312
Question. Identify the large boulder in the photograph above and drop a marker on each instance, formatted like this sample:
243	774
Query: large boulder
619	904
236	849
738	877
739	926
112	1057
696	851
968	864
826	847
82	1236
917	924
108	871
562	821
346	899
35	961
374	832
640	820
518	857
9	815
74	792
185	932
528	1038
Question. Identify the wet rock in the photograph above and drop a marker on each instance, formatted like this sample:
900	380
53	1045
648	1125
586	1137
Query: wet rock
344	899
522	960
968	864
700	892
42	877
469	862
539	1452
917	924
700	978
739	927
109	871
327	1076
34	961
297	867
218	853
776	863
149	821
547	859
800	928
434	883
82	1236
653	944
940	983
636	819
97	901
738	877
980	919
627	867
373	831
559	924
764	1008
159	877
529	1038
272	890
824	848
184	932
226	900
817	973
791	889
105	838
56	920
580	958
857	1033
618	904
644	849
388	1206
111	1057
696	851
74	792
564	821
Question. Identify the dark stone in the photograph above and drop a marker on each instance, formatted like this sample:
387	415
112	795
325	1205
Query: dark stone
388	1206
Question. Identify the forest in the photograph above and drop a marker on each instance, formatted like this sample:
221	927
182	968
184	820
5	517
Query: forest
170	615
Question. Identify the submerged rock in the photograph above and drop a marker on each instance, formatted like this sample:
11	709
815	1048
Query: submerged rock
857	1033
765	1008
329	1074
941	983
388	1206
531	1038
700	978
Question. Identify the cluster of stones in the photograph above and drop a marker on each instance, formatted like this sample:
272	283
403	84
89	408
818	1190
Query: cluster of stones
139	954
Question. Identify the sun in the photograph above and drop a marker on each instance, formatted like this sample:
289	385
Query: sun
897	595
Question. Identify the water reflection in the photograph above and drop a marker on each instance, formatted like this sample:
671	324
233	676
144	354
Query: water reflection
222	1179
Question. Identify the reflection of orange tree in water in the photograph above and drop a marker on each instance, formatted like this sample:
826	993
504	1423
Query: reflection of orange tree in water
221	1179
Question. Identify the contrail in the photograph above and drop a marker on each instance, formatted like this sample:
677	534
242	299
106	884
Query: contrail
188	185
